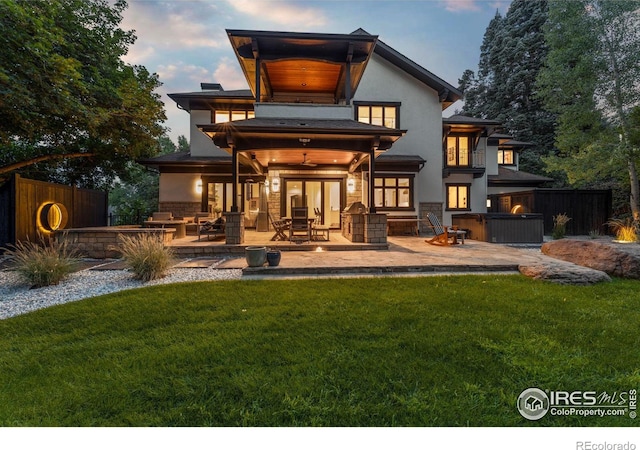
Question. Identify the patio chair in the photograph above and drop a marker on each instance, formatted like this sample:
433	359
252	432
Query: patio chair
442	233
279	226
214	228
319	231
300	224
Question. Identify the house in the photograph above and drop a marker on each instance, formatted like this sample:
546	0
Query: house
330	120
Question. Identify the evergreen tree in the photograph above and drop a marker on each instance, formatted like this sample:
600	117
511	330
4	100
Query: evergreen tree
512	53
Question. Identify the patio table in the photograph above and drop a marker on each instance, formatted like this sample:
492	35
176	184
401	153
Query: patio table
179	225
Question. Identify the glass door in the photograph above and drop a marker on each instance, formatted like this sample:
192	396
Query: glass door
323	196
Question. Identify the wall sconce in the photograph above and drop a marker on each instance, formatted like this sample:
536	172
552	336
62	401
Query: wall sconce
351	185
488	203
275	184
198	187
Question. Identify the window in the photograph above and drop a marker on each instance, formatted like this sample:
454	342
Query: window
394	192
458	151
505	157
383	115
458	196
225	115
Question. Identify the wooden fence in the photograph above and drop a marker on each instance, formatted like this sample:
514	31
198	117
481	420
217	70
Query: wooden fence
29	208
589	210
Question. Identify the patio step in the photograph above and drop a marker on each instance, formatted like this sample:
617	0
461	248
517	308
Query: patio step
434	268
193	251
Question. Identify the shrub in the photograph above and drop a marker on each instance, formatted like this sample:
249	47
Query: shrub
43	264
147	256
626	229
560	226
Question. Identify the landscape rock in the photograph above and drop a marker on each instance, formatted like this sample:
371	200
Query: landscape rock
619	260
563	273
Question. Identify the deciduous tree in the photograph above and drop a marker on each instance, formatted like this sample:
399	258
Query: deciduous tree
70	109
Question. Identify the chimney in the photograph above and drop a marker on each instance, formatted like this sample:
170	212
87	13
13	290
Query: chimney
211	87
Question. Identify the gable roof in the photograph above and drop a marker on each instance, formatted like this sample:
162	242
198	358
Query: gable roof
448	93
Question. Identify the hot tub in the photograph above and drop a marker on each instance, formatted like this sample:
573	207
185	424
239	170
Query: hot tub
502	228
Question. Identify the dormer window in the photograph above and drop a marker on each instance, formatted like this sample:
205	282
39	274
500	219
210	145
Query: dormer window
506	157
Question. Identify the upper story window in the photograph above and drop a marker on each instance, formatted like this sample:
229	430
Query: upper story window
386	115
394	192
226	115
458	151
506	157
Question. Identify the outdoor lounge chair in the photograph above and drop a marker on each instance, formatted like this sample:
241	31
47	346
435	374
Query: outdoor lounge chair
300	224
442	233
279	226
215	228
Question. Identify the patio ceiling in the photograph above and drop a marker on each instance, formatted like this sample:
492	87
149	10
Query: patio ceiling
276	142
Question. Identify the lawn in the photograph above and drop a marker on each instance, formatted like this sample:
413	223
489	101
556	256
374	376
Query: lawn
428	351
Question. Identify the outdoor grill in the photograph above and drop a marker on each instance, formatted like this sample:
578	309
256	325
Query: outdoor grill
353	222
355	208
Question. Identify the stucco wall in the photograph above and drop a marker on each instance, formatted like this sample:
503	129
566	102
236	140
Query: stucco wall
179	187
201	144
420	115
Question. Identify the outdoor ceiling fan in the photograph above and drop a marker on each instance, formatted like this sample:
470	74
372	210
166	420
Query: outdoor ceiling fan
305	162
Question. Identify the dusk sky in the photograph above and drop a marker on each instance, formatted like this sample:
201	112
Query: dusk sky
185	43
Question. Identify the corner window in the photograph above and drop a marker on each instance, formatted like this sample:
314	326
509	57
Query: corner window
505	157
378	114
458	196
458	151
393	192
226	115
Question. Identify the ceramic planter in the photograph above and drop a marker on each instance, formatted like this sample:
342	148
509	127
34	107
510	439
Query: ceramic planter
255	256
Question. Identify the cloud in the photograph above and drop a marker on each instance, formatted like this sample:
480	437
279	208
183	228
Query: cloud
173	25
229	75
460	5
281	12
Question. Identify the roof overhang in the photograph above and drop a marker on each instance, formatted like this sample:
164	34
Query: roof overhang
302	66
327	142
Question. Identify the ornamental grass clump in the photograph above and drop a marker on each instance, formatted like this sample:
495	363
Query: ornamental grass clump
560	226
146	256
626	229
43	264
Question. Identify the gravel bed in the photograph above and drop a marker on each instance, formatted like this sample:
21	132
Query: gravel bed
16	298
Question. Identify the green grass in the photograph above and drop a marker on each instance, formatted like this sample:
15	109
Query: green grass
435	351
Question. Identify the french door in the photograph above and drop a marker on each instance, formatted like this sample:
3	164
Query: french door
325	196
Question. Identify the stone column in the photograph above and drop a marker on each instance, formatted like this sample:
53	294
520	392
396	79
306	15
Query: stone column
234	228
375	228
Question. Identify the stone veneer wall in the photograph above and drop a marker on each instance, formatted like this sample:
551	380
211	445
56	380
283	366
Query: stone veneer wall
353	227
234	228
423	209
104	242
375	228
180	209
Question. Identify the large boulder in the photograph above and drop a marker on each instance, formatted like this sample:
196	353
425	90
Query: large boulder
563	273
619	260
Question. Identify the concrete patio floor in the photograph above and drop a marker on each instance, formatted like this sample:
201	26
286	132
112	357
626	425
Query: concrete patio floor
405	254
